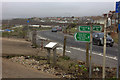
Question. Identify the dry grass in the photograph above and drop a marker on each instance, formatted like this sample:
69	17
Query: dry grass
115	37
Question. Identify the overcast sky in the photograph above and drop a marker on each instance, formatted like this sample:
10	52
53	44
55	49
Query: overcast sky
54	9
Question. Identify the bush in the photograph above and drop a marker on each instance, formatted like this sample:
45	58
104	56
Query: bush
6	34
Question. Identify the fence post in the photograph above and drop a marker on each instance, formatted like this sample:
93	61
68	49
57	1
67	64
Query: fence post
54	56
64	46
34	38
41	44
48	56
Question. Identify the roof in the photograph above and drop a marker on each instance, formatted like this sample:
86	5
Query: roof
7	30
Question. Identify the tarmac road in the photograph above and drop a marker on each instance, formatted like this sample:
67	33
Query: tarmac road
59	37
77	51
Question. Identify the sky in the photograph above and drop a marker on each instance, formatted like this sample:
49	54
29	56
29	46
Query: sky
54	9
59	0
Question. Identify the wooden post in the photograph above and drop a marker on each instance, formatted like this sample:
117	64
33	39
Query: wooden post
48	56
34	38
64	46
87	55
54	56
41	44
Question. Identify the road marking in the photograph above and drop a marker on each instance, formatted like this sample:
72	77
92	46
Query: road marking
99	54
42	37
68	51
60	48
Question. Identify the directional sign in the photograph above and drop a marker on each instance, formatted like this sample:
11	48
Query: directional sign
119	27
117	7
83	37
97	28
84	28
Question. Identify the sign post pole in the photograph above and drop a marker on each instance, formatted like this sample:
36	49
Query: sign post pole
104	48
90	63
87	54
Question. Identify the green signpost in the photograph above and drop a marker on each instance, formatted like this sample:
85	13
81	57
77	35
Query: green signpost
88	28
84	28
97	28
83	37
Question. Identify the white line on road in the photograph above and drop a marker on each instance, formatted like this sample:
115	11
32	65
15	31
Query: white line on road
42	37
60	48
99	54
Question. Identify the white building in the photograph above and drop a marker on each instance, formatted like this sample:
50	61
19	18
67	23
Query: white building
37	26
46	26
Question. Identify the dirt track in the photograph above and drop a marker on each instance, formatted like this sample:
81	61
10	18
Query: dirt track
15	70
17	47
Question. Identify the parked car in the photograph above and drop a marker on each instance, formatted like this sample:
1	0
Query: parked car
54	30
98	38
59	29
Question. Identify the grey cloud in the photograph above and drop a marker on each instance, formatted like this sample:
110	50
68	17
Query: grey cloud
48	9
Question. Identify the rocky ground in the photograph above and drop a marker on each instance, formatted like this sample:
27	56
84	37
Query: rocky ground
21	60
39	65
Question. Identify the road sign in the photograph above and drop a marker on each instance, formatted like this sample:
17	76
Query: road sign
97	28
28	21
84	28
119	27
83	37
117	7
